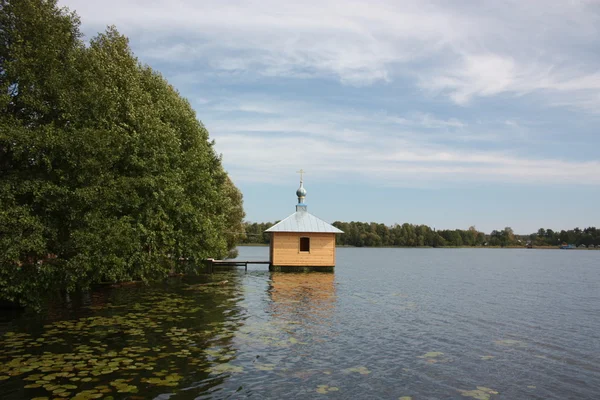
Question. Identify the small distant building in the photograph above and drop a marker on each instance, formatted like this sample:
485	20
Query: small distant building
302	242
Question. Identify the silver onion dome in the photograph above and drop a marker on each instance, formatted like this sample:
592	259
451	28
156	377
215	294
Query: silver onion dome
301	193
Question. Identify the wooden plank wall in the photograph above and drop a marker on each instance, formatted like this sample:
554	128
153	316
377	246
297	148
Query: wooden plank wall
285	249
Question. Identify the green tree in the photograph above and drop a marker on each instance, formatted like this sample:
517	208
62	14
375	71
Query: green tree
106	172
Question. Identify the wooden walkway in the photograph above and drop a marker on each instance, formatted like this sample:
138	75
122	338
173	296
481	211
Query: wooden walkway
233	263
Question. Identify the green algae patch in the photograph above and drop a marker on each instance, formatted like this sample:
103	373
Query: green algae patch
264	367
224	368
405	398
480	393
120	385
434	357
360	370
68	358
324	389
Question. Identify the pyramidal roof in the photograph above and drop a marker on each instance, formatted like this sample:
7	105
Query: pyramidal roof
302	220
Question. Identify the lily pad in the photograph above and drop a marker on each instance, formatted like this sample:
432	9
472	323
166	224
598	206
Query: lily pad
324	389
127	389
265	367
226	367
360	370
32	386
481	393
434	357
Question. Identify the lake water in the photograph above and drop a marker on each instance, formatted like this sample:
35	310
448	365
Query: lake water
422	323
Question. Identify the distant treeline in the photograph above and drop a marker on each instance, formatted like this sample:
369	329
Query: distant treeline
548	237
371	234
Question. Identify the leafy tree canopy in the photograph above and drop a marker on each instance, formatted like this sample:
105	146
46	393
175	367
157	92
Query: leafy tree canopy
105	172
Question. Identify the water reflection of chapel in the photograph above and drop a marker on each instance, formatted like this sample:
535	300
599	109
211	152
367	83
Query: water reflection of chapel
302	242
308	299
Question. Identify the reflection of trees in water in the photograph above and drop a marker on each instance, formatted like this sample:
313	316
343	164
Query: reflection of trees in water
305	299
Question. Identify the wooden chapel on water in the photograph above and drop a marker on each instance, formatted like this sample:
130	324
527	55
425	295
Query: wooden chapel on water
302	242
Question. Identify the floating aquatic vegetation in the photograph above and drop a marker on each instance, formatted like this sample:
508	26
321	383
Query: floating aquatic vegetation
268	337
480	393
303	374
225	367
214	353
264	367
324	389
121	385
360	370
169	380
114	349
434	357
405	398
485	358
88	394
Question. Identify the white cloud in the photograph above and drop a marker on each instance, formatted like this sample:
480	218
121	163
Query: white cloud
403	150
264	115
461	50
481	75
251	158
426	120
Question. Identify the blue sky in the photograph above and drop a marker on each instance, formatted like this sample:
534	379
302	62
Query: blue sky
449	114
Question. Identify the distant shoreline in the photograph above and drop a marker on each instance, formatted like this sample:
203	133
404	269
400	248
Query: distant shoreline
431	247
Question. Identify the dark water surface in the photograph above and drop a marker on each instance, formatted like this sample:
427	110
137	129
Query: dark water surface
422	323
